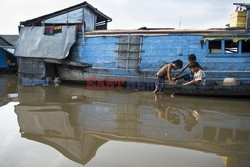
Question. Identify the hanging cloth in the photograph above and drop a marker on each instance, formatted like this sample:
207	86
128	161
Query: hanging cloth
57	29
48	30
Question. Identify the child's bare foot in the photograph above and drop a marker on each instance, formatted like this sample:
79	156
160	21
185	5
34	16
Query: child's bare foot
155	91
172	95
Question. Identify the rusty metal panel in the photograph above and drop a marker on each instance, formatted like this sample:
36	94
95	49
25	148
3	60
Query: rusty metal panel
32	43
123	39
127	64
135	39
123	47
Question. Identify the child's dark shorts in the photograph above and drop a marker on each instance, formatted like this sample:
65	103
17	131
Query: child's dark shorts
159	80
188	77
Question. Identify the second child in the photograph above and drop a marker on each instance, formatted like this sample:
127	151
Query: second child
199	75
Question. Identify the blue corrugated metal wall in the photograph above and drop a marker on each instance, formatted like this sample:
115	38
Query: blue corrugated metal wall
98	51
2	58
158	50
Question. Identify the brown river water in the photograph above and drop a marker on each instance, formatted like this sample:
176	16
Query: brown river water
71	126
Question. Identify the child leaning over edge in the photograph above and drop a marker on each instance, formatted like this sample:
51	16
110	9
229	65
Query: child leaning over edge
189	76
199	75
165	73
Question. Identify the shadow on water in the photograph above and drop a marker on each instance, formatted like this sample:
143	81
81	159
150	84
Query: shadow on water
77	121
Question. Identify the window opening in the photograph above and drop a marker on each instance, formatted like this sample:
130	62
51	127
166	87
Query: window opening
231	47
246	46
214	47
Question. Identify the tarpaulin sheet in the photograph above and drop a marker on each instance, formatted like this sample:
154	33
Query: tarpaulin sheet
33	43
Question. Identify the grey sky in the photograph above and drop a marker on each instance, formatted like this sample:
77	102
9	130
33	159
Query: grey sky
127	14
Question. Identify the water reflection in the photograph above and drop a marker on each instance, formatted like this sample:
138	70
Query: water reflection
8	87
76	121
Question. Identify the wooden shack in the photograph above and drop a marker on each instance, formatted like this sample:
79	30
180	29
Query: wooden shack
46	41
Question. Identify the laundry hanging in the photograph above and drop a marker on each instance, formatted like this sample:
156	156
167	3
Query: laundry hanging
52	30
57	29
48	30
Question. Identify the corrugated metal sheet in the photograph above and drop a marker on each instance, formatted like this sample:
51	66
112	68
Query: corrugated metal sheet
4	43
90	19
32	43
37	21
75	16
32	68
12	39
